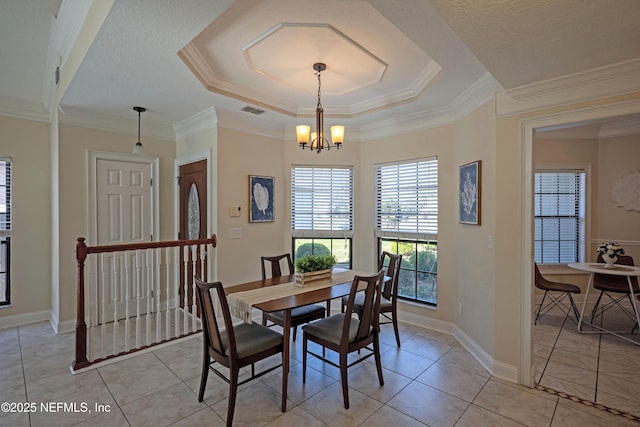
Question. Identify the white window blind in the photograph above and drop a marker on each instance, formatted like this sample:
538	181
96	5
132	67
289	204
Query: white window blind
5	194
322	201
407	199
559	216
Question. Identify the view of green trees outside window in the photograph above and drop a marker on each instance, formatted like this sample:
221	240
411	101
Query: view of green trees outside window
339	248
419	268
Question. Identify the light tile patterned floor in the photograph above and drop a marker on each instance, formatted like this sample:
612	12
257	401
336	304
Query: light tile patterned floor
599	368
430	381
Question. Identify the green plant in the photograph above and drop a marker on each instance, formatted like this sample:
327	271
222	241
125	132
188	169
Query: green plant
307	249
314	263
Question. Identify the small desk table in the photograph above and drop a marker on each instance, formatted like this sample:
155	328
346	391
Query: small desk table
287	303
620	270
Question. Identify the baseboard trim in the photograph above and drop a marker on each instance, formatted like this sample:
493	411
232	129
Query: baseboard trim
24	319
496	368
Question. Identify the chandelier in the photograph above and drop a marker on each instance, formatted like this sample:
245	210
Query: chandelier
317	138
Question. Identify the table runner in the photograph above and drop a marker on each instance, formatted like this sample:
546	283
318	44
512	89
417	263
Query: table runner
241	303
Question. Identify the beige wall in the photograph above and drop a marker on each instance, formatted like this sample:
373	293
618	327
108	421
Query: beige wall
27	143
474	261
241	154
74	143
617	156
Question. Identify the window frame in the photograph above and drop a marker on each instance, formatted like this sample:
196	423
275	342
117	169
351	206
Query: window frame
425	232
337	234
583	245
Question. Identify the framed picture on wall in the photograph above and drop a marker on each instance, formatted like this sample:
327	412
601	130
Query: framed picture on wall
470	186
261	198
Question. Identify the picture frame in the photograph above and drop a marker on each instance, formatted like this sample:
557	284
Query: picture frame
261	198
470	186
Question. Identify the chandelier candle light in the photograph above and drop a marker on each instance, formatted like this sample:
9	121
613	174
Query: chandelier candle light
318	141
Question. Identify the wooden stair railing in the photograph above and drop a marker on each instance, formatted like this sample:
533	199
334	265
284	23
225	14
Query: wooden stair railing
136	270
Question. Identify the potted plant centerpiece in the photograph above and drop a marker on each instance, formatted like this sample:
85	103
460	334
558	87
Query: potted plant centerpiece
314	268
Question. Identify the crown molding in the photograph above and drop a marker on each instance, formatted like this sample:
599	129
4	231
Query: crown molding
198	123
109	123
481	91
611	80
22	109
618	128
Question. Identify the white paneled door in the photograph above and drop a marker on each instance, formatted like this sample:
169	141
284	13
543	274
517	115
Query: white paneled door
124	214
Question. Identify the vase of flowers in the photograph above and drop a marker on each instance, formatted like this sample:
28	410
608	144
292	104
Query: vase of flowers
610	252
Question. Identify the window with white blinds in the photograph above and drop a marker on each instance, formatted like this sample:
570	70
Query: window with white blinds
321	201
559	235
407	199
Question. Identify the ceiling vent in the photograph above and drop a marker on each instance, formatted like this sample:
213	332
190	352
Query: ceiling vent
252	110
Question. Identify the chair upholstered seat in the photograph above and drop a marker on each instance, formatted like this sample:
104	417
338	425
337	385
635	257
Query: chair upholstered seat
384	303
251	339
330	328
304	314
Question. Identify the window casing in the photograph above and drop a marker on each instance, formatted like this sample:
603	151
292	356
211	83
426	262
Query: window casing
407	223
559	216
322	211
5	231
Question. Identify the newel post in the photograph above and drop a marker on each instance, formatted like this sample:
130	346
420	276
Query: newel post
81	327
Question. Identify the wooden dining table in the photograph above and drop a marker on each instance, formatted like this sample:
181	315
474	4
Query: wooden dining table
339	287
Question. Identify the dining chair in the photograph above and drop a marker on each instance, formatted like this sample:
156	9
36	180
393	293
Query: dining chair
346	332
234	346
616	289
389	300
556	292
299	315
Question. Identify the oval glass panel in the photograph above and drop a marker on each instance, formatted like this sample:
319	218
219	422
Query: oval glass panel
193	213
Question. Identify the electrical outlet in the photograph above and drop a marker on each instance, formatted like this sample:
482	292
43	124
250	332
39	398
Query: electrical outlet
235	233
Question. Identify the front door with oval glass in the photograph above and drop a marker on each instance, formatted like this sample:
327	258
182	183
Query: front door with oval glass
193	219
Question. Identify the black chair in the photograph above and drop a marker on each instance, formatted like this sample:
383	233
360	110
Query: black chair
299	315
616	289
345	333
234	346
389	300
551	290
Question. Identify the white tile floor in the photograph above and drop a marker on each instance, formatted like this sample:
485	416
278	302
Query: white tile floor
431	380
600	368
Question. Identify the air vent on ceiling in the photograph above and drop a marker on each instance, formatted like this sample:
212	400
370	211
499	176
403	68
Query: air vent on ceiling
252	110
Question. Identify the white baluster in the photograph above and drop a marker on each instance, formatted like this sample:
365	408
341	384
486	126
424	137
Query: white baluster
157	253
137	279
116	282
103	307
127	297
167	329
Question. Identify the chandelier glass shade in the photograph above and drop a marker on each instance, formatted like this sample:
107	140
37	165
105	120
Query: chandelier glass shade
317	140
